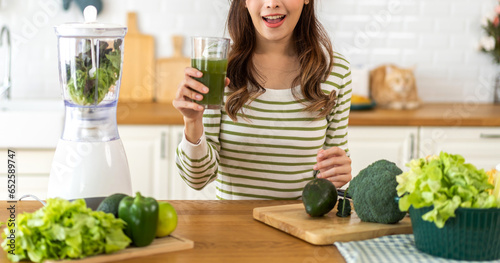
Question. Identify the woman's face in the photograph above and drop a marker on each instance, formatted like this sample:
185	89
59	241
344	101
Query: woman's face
275	20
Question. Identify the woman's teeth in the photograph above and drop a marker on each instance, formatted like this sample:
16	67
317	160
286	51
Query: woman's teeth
274	17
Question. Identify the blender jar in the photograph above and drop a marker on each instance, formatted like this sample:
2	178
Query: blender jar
90	66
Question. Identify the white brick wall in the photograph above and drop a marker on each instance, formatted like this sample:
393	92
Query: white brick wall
438	37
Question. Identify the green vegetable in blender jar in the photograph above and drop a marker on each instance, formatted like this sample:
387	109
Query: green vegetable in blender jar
446	183
141	215
85	89
64	230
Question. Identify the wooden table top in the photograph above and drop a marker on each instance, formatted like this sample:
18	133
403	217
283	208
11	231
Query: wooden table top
438	114
224	231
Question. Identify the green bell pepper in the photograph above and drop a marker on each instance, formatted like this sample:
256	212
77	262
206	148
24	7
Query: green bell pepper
141	215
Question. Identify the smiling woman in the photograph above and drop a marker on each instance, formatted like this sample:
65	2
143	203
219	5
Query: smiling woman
286	107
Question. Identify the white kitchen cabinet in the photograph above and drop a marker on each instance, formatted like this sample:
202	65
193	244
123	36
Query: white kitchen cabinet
32	171
368	144
32	184
478	145
147	155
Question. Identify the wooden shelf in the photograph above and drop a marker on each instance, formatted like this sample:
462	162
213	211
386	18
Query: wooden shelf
457	114
139	113
439	114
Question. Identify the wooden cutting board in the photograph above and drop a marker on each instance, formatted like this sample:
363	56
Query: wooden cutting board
170	72
138	76
328	229
160	245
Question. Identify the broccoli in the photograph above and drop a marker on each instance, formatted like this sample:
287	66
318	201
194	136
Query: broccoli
373	192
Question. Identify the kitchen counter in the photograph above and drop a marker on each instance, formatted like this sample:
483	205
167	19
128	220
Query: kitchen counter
440	114
148	114
224	231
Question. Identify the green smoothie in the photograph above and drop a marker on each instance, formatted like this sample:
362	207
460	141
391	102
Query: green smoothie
214	76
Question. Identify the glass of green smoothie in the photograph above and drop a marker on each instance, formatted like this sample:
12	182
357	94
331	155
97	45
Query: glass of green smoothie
209	55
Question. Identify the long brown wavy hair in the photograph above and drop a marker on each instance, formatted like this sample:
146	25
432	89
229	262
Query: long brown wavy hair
315	57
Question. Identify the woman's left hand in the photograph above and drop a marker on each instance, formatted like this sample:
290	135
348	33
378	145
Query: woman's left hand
334	164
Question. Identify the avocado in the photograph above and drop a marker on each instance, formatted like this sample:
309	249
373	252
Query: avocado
319	197
110	204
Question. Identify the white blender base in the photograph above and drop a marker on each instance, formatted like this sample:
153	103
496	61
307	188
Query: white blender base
89	169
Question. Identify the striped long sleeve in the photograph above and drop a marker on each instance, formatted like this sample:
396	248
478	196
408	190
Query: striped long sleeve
338	119
270	153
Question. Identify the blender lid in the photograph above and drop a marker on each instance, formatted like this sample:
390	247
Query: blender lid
90	28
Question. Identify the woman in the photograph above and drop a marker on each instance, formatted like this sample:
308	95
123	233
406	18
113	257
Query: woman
285	111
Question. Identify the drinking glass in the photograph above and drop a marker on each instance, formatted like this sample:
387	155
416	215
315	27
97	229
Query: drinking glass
209	55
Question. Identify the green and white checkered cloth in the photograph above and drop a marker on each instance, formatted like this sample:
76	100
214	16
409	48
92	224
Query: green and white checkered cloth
387	249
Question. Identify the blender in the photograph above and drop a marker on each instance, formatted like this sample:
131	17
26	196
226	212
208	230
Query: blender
89	160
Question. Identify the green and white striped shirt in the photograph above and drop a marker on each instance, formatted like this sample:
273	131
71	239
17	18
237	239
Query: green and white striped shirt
270	154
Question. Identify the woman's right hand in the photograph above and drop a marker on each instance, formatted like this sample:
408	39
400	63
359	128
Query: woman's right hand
189	89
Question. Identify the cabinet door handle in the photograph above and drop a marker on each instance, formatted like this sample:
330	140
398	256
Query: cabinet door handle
162	148
489	136
412	146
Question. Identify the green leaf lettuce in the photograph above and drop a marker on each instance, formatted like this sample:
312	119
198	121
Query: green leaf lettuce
445	182
65	230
